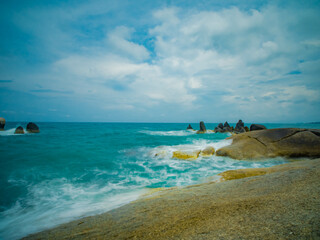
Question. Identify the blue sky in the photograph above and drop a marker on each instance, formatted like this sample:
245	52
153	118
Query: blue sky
160	61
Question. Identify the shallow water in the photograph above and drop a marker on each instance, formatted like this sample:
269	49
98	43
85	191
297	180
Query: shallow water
72	170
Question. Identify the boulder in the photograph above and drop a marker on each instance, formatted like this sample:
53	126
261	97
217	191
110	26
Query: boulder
217	129
239	125
226	125
32	128
220	125
202	128
189	127
269	143
208	151
255	127
2	124
19	130
246	128
186	155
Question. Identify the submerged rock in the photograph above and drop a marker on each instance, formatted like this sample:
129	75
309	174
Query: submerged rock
283	142
2	124
19	130
189	127
255	127
208	151
202	128
32	128
186	155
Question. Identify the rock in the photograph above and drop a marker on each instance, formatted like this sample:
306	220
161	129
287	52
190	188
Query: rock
202	128
246	128
226	125
189	127
186	155
2	124
217	129
255	127
32	128
220	125
19	130
283	142
239	127
208	151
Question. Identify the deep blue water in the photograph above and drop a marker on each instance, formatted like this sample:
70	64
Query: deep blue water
72	170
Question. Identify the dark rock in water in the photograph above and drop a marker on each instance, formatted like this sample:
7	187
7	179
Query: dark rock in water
32	128
238	127
226	125
255	127
189	127
2	123
284	142
246	128
241	130
202	127
220	125
19	130
217	129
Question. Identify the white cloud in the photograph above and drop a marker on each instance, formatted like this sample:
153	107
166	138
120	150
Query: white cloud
241	60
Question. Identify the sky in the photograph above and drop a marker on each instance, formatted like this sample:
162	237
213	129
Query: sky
160	61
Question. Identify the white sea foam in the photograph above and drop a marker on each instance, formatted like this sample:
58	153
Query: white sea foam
167	151
10	132
51	203
169	133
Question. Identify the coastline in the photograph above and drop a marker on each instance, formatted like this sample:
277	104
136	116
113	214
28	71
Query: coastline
283	202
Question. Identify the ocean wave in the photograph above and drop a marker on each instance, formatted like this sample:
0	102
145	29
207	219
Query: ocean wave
10	132
166	151
58	201
169	133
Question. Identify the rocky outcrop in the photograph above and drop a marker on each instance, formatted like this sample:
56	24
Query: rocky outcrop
189	127
32	128
208	151
186	155
239	127
19	130
255	127
2	124
202	128
284	142
223	128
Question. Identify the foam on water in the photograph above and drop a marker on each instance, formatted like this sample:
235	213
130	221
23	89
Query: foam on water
50	203
10	132
169	133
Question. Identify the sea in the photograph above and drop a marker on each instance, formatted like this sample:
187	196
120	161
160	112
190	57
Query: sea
73	170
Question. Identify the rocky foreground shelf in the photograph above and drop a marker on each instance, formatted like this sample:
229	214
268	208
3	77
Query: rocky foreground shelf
281	202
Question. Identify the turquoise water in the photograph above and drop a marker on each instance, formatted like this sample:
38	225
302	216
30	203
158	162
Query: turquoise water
72	170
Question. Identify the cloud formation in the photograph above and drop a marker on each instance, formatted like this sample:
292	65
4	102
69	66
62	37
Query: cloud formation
185	64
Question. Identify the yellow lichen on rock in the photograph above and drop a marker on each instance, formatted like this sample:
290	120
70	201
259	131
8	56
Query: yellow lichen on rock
186	155
242	173
208	151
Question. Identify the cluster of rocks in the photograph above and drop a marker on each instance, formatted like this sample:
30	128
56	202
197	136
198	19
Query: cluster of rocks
31	127
222	128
